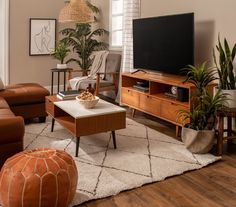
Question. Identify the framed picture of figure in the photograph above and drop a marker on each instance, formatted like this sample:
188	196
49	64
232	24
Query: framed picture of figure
42	36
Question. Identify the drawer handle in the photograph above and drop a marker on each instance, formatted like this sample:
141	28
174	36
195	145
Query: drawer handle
174	104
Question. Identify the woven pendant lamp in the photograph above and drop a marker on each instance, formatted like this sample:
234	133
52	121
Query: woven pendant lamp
76	11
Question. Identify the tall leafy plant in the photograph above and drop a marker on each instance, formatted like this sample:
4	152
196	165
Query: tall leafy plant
203	113
84	41
224	65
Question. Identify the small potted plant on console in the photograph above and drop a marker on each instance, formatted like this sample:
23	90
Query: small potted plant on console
60	52
225	70
199	123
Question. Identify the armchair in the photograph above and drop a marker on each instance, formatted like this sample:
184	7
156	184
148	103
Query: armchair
109	81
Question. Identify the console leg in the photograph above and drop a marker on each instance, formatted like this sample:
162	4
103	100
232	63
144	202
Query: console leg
77	146
178	131
133	112
220	136
229	129
52	126
114	138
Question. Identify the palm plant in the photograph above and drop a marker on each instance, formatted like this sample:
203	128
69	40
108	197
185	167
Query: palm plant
224	65
203	114
84	41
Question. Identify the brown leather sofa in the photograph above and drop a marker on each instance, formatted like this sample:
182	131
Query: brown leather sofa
18	102
11	132
26	99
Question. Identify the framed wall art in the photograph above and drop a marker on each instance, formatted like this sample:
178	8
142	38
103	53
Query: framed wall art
42	36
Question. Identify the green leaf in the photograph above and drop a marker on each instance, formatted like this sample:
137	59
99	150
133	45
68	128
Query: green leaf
84	42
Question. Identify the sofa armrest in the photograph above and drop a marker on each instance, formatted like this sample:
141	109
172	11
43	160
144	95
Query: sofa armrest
11	129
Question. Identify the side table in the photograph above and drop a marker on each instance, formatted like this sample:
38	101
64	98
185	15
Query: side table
231	134
58	71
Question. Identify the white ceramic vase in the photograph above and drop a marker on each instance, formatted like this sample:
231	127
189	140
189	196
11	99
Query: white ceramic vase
231	97
231	102
61	66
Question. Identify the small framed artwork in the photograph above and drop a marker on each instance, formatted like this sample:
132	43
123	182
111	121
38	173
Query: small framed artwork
42	36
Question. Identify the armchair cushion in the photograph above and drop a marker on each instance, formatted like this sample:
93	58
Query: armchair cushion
83	84
113	64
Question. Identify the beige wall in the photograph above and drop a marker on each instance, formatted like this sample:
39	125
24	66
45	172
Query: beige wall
211	17
25	68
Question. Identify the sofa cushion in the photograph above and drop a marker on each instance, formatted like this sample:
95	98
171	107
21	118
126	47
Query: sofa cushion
3	104
25	93
6	113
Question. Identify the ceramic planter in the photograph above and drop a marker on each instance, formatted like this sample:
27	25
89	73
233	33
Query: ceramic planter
61	66
231	102
231	97
198	142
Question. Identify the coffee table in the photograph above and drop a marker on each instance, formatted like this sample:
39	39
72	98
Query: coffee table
82	122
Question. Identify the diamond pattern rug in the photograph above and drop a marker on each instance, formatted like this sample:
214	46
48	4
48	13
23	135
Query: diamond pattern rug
143	155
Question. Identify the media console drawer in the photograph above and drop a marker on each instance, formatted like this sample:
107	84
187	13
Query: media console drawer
130	97
169	110
150	104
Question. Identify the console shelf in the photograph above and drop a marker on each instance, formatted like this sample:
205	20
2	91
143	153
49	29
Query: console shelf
155	102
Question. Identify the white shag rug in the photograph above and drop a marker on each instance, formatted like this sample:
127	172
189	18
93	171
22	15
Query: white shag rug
143	155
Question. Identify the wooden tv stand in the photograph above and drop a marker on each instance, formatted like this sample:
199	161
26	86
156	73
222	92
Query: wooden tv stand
155	102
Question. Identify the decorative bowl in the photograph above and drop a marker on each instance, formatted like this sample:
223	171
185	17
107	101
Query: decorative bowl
88	104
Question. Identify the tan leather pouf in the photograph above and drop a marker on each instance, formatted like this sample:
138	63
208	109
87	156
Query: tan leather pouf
40	177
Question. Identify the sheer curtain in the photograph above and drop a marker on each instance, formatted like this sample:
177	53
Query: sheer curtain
4	41
131	11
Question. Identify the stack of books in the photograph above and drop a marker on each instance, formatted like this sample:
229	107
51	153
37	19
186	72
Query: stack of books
67	95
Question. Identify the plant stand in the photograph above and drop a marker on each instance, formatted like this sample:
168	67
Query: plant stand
231	134
58	71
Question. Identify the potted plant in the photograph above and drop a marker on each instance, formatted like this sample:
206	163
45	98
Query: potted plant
84	41
225	70
60	52
198	124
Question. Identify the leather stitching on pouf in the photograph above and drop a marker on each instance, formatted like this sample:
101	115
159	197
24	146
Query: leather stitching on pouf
39	177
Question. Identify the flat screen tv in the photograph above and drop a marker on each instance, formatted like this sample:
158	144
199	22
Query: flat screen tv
165	43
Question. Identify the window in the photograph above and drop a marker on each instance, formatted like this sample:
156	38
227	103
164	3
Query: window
116	23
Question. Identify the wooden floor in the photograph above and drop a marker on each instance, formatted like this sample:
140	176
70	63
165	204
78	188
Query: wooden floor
212	186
